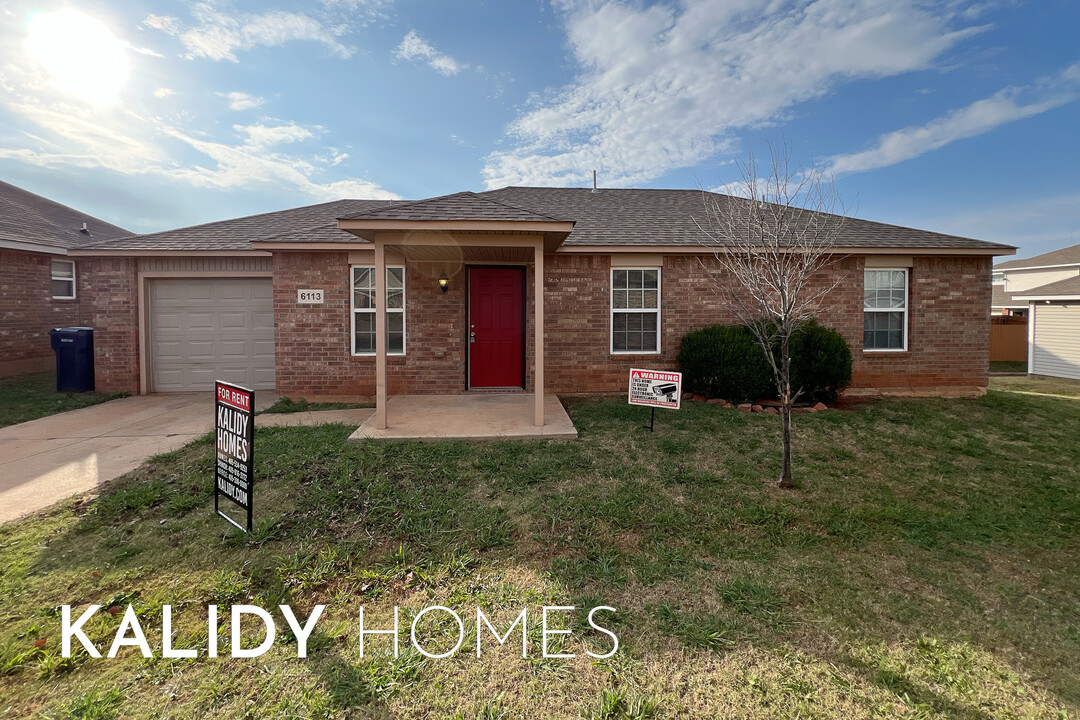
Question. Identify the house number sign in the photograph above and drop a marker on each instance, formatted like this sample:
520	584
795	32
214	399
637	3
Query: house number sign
309	297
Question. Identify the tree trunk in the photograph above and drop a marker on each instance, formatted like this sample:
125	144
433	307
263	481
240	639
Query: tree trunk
785	416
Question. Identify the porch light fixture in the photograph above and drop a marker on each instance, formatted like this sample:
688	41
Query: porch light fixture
444	282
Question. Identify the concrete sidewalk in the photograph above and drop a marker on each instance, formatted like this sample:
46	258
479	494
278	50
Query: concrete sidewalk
46	460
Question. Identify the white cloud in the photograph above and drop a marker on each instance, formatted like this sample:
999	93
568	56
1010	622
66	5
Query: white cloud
664	86
414	47
164	92
261	136
242	101
979	117
218	35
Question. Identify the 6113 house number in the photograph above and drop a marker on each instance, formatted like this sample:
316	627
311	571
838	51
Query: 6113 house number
309	297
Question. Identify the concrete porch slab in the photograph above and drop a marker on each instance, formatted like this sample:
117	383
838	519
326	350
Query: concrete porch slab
480	416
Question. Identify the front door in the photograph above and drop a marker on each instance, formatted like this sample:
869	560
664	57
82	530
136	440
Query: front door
496	327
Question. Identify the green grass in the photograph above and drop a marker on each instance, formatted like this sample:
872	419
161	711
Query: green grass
287	405
1008	366
1042	385
28	397
926	567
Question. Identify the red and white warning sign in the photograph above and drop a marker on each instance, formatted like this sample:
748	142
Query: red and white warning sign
656	388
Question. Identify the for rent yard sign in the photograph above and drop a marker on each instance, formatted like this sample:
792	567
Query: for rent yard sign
234	422
655	388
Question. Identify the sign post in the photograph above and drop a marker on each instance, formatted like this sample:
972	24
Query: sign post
656	389
234	431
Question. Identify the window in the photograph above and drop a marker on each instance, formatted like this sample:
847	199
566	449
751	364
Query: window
63	279
635	310
885	310
363	310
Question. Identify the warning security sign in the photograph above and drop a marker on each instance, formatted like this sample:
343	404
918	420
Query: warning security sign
655	388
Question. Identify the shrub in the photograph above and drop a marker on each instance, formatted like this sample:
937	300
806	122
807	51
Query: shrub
820	362
725	361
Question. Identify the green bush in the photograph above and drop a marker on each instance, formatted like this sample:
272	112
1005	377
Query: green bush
726	361
820	363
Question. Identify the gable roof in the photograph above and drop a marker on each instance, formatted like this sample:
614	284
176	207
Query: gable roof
29	218
1069	287
312	223
1065	256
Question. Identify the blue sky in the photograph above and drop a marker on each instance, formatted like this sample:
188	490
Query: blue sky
960	116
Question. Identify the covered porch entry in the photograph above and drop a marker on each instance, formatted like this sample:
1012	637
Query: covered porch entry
499	262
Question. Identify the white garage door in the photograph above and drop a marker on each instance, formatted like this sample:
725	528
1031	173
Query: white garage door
1056	350
207	329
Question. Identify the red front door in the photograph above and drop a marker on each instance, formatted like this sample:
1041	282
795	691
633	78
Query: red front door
496	327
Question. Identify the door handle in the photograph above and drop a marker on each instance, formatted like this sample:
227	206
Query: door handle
472	337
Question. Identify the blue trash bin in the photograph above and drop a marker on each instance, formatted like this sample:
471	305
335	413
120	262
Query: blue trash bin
74	347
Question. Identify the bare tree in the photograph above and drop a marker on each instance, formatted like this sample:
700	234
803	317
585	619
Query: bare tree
771	243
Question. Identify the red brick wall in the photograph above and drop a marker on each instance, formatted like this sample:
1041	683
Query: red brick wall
28	311
110	305
105	292
948	344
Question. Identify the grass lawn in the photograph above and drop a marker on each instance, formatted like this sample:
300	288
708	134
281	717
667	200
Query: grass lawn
928	567
1042	385
1015	366
28	397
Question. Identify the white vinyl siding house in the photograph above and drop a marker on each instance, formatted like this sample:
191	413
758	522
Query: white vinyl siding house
1054	340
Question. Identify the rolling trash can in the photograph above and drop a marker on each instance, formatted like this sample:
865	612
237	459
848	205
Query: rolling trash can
74	347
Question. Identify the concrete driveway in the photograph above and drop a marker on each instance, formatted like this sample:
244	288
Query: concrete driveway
46	460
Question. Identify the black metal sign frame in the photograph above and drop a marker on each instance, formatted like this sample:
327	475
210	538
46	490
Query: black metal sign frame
234	442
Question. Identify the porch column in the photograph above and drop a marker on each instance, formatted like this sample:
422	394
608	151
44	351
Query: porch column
380	336
538	330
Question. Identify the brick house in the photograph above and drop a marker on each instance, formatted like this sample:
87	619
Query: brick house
41	285
438	296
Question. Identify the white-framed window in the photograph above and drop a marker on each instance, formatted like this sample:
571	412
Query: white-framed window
635	310
63	279
363	310
885	309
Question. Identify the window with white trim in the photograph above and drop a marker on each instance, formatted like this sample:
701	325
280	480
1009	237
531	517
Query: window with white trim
885	309
635	310
63	279
363	310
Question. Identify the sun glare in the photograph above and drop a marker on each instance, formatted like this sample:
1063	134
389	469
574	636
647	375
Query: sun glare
80	53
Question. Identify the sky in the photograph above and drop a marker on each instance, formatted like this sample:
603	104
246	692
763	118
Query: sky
960	116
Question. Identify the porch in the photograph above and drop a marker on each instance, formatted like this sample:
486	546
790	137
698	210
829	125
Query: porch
474	416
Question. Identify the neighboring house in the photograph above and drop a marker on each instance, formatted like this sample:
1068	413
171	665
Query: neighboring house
288	301
1015	277
41	285
1045	290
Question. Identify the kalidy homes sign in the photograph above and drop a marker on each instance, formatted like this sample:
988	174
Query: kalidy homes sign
234	424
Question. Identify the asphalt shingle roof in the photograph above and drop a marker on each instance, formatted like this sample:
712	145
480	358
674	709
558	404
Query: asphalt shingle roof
1064	256
608	217
311	223
675	217
459	206
1067	287
26	217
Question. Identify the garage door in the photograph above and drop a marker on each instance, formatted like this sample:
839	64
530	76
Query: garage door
207	329
1056	350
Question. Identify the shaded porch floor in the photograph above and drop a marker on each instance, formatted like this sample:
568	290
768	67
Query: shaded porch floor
480	416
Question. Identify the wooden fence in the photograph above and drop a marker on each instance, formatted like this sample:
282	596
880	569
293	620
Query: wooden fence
1008	339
